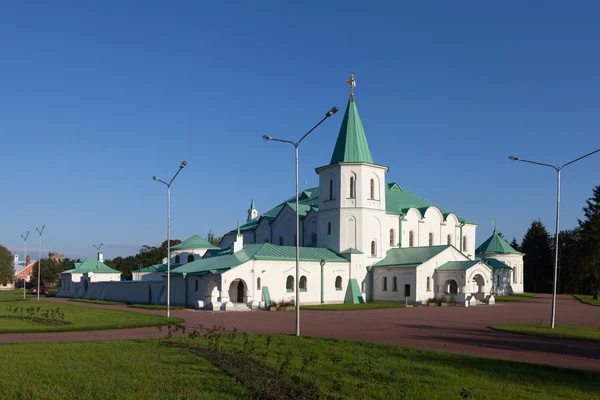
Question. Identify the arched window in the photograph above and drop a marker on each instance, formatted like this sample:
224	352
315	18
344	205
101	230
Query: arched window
266	240
430	238
362	286
514	274
395	284
258	283
449	239
411	239
190	258
295	239
177	259
372	190
392	239
303	284
329	228
196	285
464	243
331	189
351	187
428	284
314	238
338	283
385	283
373	248
281	240
289	284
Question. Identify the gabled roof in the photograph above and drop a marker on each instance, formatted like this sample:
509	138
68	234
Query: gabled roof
495	245
91	265
410	256
494	264
457	265
157	268
351	144
351	250
194	242
227	260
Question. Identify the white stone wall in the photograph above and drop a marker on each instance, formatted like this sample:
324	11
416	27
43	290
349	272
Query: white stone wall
185	253
284	227
515	261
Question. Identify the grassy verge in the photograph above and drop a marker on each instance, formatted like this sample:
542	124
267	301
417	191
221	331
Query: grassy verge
348	307
356	370
154	307
110	370
14	295
587	299
76	318
115	303
514	297
559	331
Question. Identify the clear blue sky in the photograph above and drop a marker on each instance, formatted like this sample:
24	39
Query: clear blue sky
97	97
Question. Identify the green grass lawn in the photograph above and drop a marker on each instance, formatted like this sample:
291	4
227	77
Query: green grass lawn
348	307
110	370
587	299
79	318
514	297
154	307
559	331
114	303
14	295
357	370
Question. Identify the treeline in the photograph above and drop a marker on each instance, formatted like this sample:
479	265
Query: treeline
147	256
50	270
578	254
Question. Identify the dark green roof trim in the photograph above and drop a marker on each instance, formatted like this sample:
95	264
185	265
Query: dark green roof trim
194	242
351	144
494	263
410	256
457	265
496	245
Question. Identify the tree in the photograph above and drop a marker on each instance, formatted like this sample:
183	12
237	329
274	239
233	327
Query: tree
147	256
515	245
538	259
590	242
7	272
570	277
50	270
212	238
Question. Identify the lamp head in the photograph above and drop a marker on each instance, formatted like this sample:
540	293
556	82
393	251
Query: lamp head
266	138
513	158
333	110
155	178
183	164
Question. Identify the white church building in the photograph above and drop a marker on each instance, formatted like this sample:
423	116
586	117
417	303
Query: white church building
362	237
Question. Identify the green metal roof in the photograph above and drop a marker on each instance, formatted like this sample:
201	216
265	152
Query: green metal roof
495	245
457	265
351	250
252	205
494	264
194	242
227	260
157	268
410	256
351	144
92	265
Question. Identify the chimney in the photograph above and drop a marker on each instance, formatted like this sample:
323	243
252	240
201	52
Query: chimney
27	260
239	241
100	257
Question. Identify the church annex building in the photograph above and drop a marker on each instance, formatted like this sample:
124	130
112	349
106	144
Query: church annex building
363	238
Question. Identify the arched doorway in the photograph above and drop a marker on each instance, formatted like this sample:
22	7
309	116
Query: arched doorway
213	291
477	284
237	291
451	286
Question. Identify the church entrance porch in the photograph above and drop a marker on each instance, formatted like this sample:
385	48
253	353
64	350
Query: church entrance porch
238	291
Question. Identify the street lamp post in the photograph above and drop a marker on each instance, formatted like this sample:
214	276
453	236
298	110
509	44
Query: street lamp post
40	231
558	170
183	164
329	113
25	258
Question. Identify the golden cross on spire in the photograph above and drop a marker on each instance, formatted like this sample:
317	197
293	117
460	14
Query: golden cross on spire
352	83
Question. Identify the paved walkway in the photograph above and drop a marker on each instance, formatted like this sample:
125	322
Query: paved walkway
454	329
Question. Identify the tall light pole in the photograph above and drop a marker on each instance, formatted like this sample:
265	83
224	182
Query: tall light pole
558	170
40	231
183	164
25	258
332	111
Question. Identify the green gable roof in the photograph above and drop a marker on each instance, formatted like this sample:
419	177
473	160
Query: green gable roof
227	260
91	265
494	264
457	265
351	144
410	256
351	250
496	245
194	242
